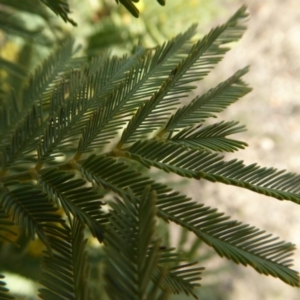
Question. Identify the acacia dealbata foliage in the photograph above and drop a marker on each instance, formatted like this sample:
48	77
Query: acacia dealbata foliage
77	139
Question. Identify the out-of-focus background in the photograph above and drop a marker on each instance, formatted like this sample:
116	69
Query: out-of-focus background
271	112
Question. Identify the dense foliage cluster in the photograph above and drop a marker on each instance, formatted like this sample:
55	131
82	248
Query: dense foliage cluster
77	139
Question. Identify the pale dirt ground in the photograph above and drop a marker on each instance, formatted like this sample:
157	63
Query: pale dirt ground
271	113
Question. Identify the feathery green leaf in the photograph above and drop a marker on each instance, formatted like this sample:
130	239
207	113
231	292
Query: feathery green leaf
21	130
213	101
180	278
202	164
234	240
202	57
6	227
129	268
65	273
30	209
75	198
211	137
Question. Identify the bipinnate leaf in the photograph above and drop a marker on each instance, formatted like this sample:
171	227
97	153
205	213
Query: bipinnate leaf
65	273
239	242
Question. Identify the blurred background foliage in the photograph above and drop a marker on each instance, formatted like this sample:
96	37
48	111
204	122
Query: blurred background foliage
102	25
29	31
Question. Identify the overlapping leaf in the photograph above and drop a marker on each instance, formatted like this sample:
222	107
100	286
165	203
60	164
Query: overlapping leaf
137	84
211	102
65	273
181	277
30	209
202	164
236	241
136	94
6	228
74	110
80	109
211	137
201	58
132	267
19	134
129	268
76	199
